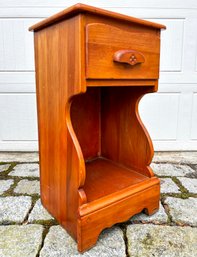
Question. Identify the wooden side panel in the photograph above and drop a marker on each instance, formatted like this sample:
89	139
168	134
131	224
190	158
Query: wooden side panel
59	75
124	138
85	117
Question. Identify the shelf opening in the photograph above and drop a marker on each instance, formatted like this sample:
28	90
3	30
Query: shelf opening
112	141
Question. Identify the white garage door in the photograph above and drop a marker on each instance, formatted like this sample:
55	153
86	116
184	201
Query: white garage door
170	115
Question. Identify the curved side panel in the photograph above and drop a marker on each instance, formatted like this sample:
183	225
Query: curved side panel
75	172
150	144
150	151
124	137
81	172
85	118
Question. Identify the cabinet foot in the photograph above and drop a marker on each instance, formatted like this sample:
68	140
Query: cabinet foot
96	216
86	240
150	210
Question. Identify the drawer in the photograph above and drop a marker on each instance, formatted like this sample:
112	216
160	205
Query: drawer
114	53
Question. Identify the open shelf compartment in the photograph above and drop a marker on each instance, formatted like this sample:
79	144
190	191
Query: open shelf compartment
111	139
104	177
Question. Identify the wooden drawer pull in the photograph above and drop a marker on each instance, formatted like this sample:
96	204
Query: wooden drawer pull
131	57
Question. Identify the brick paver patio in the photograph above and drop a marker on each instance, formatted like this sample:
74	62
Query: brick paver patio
28	230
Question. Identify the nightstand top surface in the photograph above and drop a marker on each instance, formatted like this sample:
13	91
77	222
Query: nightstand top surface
82	8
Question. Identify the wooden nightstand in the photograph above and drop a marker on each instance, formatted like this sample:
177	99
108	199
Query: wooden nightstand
92	68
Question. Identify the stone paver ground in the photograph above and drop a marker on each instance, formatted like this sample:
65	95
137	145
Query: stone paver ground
29	187
27	229
5	185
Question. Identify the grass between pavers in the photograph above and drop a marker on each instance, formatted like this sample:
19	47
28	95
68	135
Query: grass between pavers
5	176
44	234
123	227
10	191
167	209
33	202
49	223
15	163
18	162
184	194
34	199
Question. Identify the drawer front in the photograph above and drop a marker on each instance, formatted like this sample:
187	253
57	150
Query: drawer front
113	53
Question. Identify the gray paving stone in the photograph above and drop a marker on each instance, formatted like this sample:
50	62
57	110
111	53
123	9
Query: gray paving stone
161	241
183	211
14	208
5	185
190	184
168	186
159	217
4	167
176	157
168	169
59	244
39	213
19	157
20	241
195	174
25	170
28	187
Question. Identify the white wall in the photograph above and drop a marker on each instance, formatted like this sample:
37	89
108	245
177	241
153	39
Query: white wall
170	115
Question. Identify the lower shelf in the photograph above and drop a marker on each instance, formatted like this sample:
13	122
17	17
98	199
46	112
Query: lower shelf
104	177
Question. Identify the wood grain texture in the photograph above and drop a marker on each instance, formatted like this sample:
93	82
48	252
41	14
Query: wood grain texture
104	177
58	76
82	8
92	224
107	200
103	41
124	138
85	117
107	123
94	150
